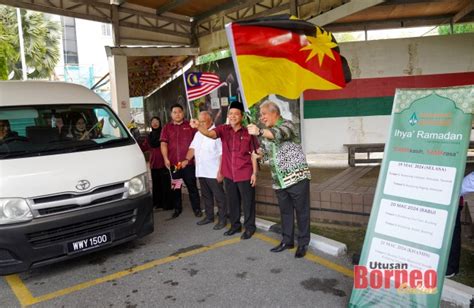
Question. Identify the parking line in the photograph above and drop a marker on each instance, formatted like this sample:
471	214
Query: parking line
26	298
316	259
22	293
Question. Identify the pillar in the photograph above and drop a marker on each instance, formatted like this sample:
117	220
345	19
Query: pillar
119	87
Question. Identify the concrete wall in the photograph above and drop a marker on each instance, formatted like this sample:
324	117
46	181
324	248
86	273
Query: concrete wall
361	112
327	135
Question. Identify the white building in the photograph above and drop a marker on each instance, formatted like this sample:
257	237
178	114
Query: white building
83	58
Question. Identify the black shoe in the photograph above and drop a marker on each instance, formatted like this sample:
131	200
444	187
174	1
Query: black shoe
219	225
246	235
198	213
301	251
233	231
282	246
450	274
205	221
176	214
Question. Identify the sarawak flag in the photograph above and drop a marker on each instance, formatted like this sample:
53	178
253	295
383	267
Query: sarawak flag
200	84
284	56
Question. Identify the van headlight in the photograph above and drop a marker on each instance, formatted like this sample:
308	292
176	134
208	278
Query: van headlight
14	210
137	186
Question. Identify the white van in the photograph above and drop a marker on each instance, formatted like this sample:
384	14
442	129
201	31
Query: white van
72	178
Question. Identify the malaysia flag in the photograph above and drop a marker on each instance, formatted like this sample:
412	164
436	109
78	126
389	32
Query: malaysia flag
199	84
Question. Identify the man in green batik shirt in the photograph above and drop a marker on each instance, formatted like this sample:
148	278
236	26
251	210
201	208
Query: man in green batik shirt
290	173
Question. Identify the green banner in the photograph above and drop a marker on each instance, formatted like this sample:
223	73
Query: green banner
406	247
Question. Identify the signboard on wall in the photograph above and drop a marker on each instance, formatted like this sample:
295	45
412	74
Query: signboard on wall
406	247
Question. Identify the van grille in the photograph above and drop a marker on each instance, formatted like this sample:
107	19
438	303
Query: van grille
82	228
71	196
55	204
69	207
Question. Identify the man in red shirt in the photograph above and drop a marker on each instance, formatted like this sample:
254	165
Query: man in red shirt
238	168
176	137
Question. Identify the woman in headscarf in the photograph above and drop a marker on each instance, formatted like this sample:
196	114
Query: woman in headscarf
159	173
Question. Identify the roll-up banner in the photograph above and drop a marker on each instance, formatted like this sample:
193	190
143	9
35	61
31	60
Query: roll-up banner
406	247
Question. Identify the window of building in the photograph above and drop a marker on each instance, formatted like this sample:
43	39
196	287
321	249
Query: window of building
106	30
69	41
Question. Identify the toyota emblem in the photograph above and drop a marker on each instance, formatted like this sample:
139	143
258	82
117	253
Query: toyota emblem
83	185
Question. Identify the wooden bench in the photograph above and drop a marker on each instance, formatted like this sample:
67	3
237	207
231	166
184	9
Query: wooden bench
368	148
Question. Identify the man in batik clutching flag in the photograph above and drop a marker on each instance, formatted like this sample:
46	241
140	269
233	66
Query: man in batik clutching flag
284	56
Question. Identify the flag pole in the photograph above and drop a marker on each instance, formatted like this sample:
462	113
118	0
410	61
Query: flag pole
186	91
24	72
230	39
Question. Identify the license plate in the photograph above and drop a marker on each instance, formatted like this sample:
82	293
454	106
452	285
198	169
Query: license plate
89	243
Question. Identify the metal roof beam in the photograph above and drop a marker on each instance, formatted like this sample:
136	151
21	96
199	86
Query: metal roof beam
224	7
294	7
119	16
342	11
464	11
392	23
215	21
397	2
117	2
58	10
171	4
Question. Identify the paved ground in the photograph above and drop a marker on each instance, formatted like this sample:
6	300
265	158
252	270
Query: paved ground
184	265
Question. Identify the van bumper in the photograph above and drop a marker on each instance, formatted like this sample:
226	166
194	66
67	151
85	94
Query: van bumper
44	240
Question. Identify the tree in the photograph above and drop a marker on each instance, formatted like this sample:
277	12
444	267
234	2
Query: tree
6	52
458	28
41	38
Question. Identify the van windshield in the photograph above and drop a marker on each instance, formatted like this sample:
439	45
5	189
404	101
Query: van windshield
54	129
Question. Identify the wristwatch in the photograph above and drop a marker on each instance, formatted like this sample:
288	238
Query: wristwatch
260	132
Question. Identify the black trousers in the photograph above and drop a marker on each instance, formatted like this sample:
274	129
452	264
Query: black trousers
455	252
295	197
236	193
188	175
161	184
210	190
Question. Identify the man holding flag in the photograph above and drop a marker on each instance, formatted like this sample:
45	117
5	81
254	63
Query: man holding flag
238	168
286	56
290	174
